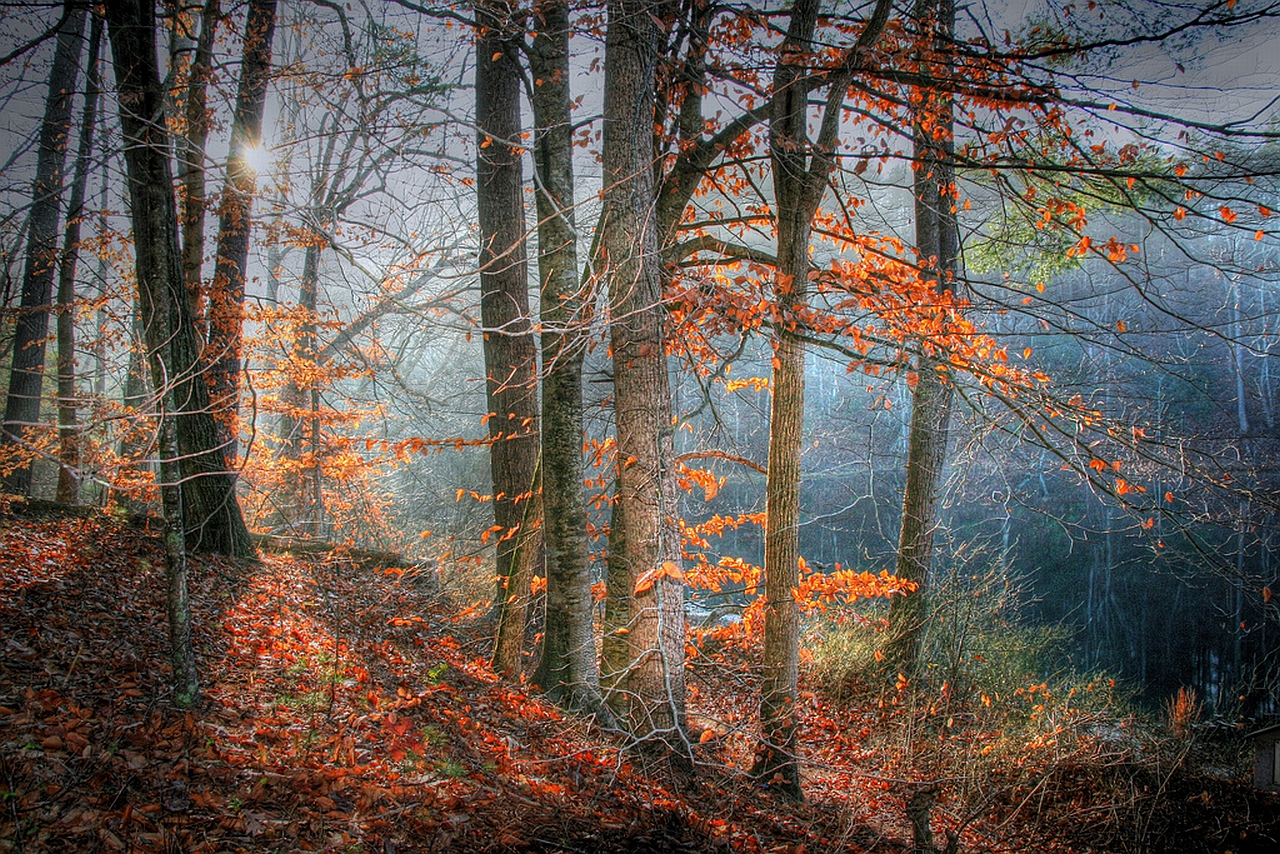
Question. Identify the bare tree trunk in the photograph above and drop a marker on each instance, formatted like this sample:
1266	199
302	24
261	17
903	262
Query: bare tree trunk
303	510
191	159
226	295
615	648
795	203
568	663
68	426
801	170
22	406
161	293
212	519
510	351
654	701
938	245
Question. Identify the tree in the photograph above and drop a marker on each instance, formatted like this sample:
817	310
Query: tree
801	170
211	513
651	698
226	306
68	428
510	351
191	152
938	250
162	296
567	667
22	405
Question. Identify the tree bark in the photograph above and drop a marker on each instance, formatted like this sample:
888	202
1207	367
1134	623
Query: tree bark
303	510
938	246
68	418
212	519
161	295
653	706
510	351
226	295
567	668
191	158
22	406
801	170
788	149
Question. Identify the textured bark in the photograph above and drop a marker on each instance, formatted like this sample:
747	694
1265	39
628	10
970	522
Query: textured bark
191	157
226	294
182	655
567	668
510	351
212	519
653	706
615	649
801	170
938	244
161	294
22	405
788	149
68	419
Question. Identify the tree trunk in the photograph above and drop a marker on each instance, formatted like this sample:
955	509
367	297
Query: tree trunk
303	508
510	352
212	520
191	157
22	406
226	295
938	246
68	426
567	667
788	148
615	648
801	173
654	702
161	295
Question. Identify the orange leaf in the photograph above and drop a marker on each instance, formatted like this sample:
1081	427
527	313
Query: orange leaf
1180	214
645	582
1266	594
1228	215
1120	325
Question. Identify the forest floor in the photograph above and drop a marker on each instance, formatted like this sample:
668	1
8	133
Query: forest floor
347	709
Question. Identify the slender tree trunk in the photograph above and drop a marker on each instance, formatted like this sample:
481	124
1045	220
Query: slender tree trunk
615	648
788	148
22	406
568	663
226	295
68	426
161	293
801	173
510	351
182	656
303	508
938	245
211	512
654	702
191	160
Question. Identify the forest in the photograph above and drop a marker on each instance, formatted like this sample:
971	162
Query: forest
537	425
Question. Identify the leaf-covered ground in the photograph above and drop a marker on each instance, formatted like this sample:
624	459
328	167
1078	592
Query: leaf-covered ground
349	710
